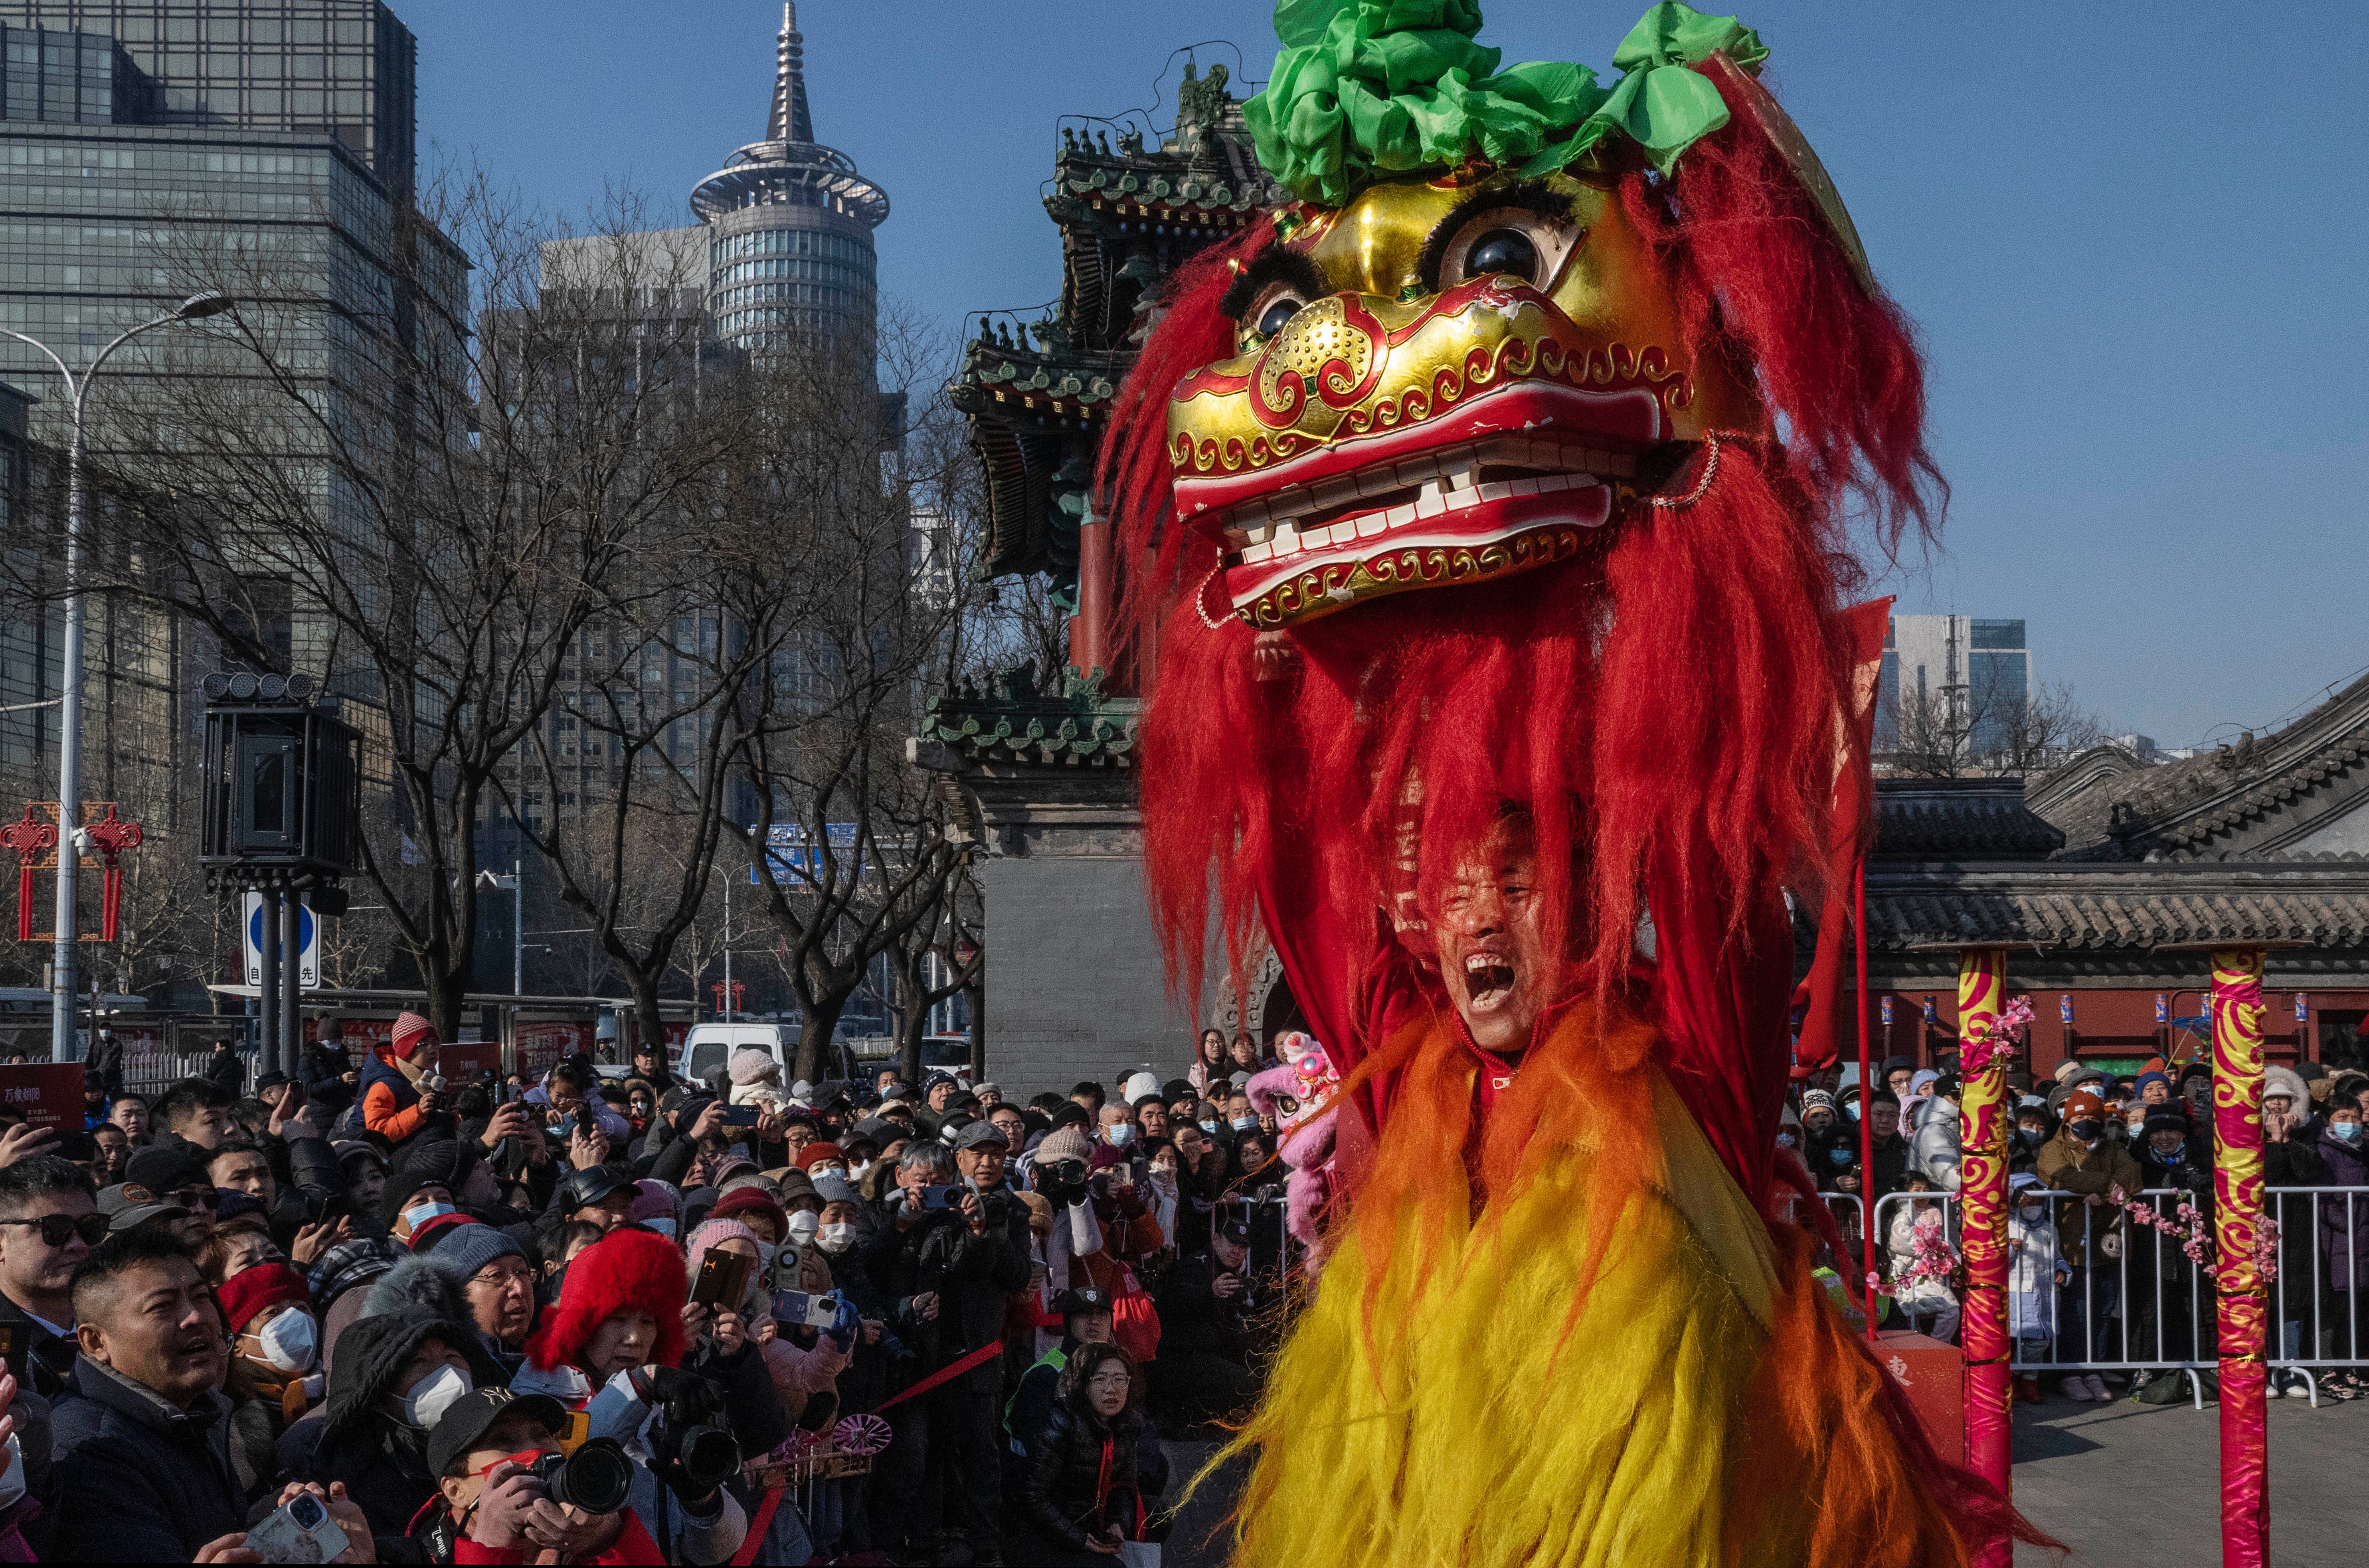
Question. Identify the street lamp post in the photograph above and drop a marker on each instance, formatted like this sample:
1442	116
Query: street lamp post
196	307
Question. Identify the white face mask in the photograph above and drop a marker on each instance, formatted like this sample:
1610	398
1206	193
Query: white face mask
430	1397
291	1342
858	1169
836	1238
2032	1213
803	1226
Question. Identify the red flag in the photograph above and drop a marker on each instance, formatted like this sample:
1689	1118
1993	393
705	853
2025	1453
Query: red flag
1846	840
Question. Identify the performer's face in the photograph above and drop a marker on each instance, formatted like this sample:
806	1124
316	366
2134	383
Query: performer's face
1491	955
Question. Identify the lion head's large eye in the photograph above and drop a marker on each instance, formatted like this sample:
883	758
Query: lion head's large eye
1271	314
1528	236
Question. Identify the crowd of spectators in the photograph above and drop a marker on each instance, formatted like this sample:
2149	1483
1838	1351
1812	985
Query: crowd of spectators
615	1316
2110	1217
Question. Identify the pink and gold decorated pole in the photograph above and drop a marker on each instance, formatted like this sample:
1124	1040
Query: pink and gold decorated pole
1981	1212
2239	1238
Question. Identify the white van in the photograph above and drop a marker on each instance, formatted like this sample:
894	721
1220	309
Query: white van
709	1045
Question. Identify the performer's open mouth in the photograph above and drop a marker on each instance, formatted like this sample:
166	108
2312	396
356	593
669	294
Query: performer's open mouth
1488	980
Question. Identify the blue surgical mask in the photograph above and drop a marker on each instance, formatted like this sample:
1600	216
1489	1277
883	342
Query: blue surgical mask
1784	1140
2030	1135
1839	1156
1244	1124
2348	1131
422	1213
1851	1110
1209	1124
1118	1135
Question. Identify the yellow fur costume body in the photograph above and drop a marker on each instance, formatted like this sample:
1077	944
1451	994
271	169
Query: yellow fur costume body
1560	1359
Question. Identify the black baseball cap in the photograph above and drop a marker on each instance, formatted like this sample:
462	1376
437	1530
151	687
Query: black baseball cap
1084	1298
473	1415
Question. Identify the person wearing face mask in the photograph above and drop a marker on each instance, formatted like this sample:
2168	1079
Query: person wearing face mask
768	1379
2343	1240
2291	1158
2090	1234
2034	1277
393	1377
1118	1129
2033	1128
275	1372
2172	1155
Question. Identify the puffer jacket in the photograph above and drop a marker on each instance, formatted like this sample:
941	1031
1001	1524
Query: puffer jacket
2344	1227
1934	1152
2069	1165
1081	1476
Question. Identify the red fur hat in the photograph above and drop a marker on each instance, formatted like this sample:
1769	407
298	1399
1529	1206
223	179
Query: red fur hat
627	1270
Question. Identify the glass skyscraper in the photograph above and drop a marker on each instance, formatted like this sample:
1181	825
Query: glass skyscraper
149	149
789	224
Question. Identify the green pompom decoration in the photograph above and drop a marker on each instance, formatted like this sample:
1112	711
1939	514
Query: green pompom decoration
1368	88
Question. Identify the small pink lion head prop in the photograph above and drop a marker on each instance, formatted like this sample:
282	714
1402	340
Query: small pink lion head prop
1298	1088
1299	1092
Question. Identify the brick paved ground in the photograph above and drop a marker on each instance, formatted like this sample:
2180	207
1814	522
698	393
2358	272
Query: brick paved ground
2125	1485
2130	1485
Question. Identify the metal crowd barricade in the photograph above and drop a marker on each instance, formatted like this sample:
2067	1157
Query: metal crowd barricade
2317	1318
2127	1285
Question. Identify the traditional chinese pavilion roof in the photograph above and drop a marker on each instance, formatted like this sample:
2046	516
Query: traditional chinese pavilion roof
1076	726
1036	392
2075	909
2282	793
1959	820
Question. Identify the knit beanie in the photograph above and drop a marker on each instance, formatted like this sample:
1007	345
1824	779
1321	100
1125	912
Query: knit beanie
657	1200
2169	1117
409	1029
2084	1103
250	1290
1064	1143
743	1201
715	1232
814	1154
1817	1099
2143	1080
751	1064
472	1246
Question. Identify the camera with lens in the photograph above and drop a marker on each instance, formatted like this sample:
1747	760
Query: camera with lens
596	1478
690	1441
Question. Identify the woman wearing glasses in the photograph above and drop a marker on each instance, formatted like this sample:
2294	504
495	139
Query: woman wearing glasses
1082	1495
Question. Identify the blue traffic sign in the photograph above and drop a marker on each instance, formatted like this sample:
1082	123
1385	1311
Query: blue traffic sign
303	929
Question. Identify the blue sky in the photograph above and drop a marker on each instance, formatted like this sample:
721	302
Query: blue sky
2133	237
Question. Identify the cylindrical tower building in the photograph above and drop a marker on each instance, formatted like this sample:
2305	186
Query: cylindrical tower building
790	225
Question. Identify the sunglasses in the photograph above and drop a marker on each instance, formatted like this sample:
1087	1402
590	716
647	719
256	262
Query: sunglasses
194	1197
56	1228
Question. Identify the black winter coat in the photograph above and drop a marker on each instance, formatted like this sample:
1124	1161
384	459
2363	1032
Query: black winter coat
43	1359
973	1276
1195	1319
2294	1164
132	1480
1081	1476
